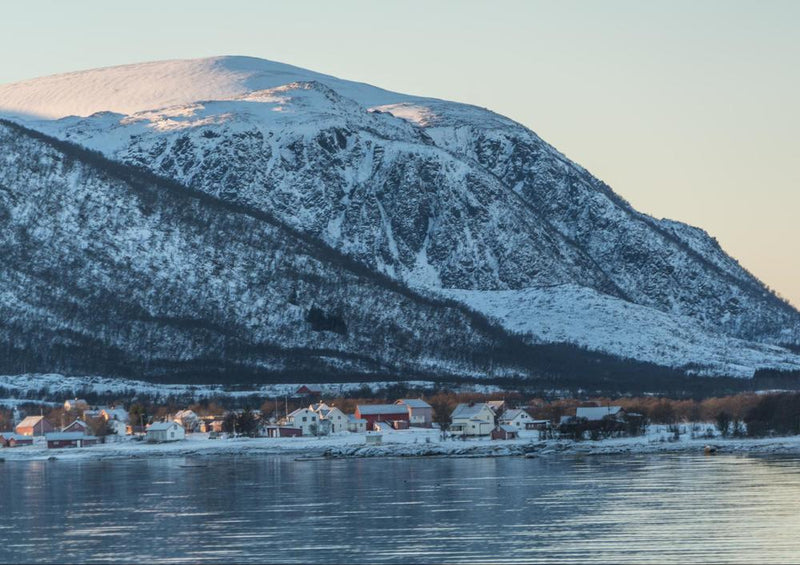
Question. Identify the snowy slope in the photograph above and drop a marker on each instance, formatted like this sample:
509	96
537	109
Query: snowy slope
133	88
579	315
108	271
447	198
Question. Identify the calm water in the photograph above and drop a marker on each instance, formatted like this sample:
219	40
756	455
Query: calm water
645	509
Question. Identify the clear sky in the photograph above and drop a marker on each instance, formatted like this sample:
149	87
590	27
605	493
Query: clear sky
688	109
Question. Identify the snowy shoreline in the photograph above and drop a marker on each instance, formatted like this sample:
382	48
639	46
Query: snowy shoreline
410	443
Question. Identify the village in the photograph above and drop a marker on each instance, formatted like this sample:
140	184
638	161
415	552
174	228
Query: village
84	426
400	421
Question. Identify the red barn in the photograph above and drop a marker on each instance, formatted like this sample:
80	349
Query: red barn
309	391
395	414
69	439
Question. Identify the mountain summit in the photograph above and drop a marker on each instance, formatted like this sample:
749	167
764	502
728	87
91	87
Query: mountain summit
445	203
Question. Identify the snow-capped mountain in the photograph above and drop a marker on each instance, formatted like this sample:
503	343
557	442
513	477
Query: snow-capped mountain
447	199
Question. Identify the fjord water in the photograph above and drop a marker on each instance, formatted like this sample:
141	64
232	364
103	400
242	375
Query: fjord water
503	510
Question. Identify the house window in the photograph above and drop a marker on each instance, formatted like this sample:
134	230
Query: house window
304	418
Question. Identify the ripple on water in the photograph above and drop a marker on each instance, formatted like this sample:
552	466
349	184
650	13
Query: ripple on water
649	509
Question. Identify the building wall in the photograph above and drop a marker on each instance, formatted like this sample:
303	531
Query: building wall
39	429
372	418
356	427
421	417
473	427
338	421
174	433
518	422
306	420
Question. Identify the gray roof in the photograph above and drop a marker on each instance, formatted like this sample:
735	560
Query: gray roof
467	411
508	428
30	421
162	426
597	412
380	409
79	422
414	402
67	436
12	435
352	418
511	414
294	413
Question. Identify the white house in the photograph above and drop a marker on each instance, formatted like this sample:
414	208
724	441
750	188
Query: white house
120	428
497	405
475	419
305	419
188	419
119	414
165	431
420	413
596	413
332	420
75	404
516	418
356	425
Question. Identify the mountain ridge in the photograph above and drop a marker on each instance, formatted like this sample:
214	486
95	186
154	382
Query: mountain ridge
442	197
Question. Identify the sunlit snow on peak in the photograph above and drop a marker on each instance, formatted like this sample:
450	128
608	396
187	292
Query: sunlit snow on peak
129	89
415	113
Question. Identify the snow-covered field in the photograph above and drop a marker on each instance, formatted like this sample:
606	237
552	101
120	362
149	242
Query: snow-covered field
57	386
579	315
415	442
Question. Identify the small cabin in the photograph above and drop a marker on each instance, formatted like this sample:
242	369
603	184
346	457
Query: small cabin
373	439
283	431
165	431
505	432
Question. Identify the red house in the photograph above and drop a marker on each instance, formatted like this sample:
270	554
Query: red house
10	439
395	414
309	391
283	431
69	439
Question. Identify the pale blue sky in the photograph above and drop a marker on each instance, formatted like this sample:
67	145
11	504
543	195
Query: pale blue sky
689	109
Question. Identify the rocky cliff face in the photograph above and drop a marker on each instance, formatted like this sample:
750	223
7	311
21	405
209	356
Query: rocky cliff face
443	198
111	271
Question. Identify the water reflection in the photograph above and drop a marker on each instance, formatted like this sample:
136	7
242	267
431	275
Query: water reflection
592	509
